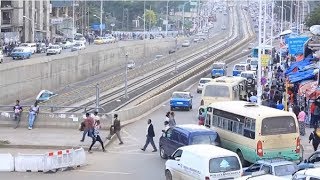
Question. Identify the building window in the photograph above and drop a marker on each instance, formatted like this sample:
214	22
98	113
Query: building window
6	17
6	4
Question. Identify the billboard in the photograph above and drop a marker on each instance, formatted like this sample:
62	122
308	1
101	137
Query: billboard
296	45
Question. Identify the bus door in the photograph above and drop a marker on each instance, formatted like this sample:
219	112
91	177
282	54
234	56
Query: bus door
243	91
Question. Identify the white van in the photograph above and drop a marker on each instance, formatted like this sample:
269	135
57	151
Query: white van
32	46
307	174
202	162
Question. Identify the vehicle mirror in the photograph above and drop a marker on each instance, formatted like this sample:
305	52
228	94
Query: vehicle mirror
177	158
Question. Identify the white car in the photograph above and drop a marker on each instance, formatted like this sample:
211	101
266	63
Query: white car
80	40
307	174
78	46
186	43
202	82
66	44
54	49
110	39
202	162
131	65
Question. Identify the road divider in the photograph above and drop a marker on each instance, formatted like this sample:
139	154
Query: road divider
6	163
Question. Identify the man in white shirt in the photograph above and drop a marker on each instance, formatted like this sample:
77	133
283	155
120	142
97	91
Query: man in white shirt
95	116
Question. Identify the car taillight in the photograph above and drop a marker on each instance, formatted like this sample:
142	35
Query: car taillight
207	178
298	145
259	149
202	102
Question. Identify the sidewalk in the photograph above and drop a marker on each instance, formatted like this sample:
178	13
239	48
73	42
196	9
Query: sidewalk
47	138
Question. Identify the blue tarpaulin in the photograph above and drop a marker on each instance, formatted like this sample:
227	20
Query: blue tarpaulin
300	65
301	75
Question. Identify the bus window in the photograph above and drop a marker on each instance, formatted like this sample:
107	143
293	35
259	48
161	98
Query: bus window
214	121
249	134
208	120
217	91
240	129
225	124
271	126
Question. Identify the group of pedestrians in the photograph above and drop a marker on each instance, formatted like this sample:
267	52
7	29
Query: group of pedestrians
91	127
33	112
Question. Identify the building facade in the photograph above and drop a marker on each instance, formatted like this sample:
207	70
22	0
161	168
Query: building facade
24	20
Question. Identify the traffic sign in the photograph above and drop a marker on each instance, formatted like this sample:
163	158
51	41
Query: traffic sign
296	45
265	59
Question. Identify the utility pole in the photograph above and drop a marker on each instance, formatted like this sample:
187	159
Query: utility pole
167	21
126	79
175	59
259	89
73	20
291	9
97	97
101	9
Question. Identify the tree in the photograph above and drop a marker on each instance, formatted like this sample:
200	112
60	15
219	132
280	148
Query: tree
150	17
313	18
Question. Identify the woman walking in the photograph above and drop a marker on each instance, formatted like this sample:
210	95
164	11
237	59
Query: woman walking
97	127
301	118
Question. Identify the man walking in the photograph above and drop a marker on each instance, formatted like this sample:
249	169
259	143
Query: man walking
88	127
116	128
17	109
150	136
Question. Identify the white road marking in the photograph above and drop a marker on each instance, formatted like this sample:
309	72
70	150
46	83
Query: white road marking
133	152
105	172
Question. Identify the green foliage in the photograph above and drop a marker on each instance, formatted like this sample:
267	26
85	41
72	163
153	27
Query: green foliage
314	18
150	17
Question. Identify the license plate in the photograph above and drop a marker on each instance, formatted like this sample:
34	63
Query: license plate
179	103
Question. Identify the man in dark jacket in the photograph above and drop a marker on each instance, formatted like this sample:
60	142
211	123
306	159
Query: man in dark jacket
150	136
314	137
116	128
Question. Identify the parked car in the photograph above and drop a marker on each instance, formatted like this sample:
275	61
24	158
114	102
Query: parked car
41	48
186	43
203	162
54	49
312	161
307	174
172	50
276	167
202	82
183	135
32	46
78	46
45	95
196	39
80	40
181	100
262	176
99	40
66	44
131	64
110	39
21	53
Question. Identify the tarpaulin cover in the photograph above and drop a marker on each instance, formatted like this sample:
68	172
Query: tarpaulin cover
299	65
301	75
307	88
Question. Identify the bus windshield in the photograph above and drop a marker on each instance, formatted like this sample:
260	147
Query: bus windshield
271	125
217	91
217	66
254	62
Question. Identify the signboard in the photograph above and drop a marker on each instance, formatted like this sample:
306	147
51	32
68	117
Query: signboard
96	27
265	59
296	45
56	20
193	3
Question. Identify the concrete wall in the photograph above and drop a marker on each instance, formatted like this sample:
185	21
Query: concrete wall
23	79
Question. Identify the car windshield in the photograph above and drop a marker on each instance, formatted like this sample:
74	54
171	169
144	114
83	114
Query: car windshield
285	170
204	139
64	42
186	41
24	45
224	164
217	66
247	75
216	91
239	68
271	125
203	81
180	95
254	62
17	50
77	45
54	47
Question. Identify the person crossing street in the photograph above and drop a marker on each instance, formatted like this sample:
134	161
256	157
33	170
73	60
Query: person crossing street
150	135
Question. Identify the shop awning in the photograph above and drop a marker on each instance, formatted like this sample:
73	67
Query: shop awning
300	65
307	88
301	75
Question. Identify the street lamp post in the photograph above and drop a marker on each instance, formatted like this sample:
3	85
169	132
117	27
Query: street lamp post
33	26
126	79
167	18
183	15
259	88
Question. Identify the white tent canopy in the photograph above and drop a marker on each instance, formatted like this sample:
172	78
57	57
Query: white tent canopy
315	29
283	33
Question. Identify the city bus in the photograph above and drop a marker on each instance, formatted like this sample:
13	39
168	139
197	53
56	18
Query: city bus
268	50
224	88
255	132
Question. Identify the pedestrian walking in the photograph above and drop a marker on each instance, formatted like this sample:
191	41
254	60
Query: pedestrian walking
301	120
172	121
201	117
17	109
166	126
316	115
150	135
315	138
168	116
97	127
33	112
116	128
95	116
88	127
312	108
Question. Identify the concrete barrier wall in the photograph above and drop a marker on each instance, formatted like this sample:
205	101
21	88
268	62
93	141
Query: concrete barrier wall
23	79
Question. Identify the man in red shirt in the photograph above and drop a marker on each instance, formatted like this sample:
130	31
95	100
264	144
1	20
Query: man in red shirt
89	127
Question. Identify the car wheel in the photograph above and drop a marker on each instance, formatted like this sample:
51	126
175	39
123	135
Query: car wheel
198	91
47	54
190	107
171	108
168	175
242	160
163	153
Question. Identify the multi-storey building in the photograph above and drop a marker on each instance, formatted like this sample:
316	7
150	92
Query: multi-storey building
24	20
